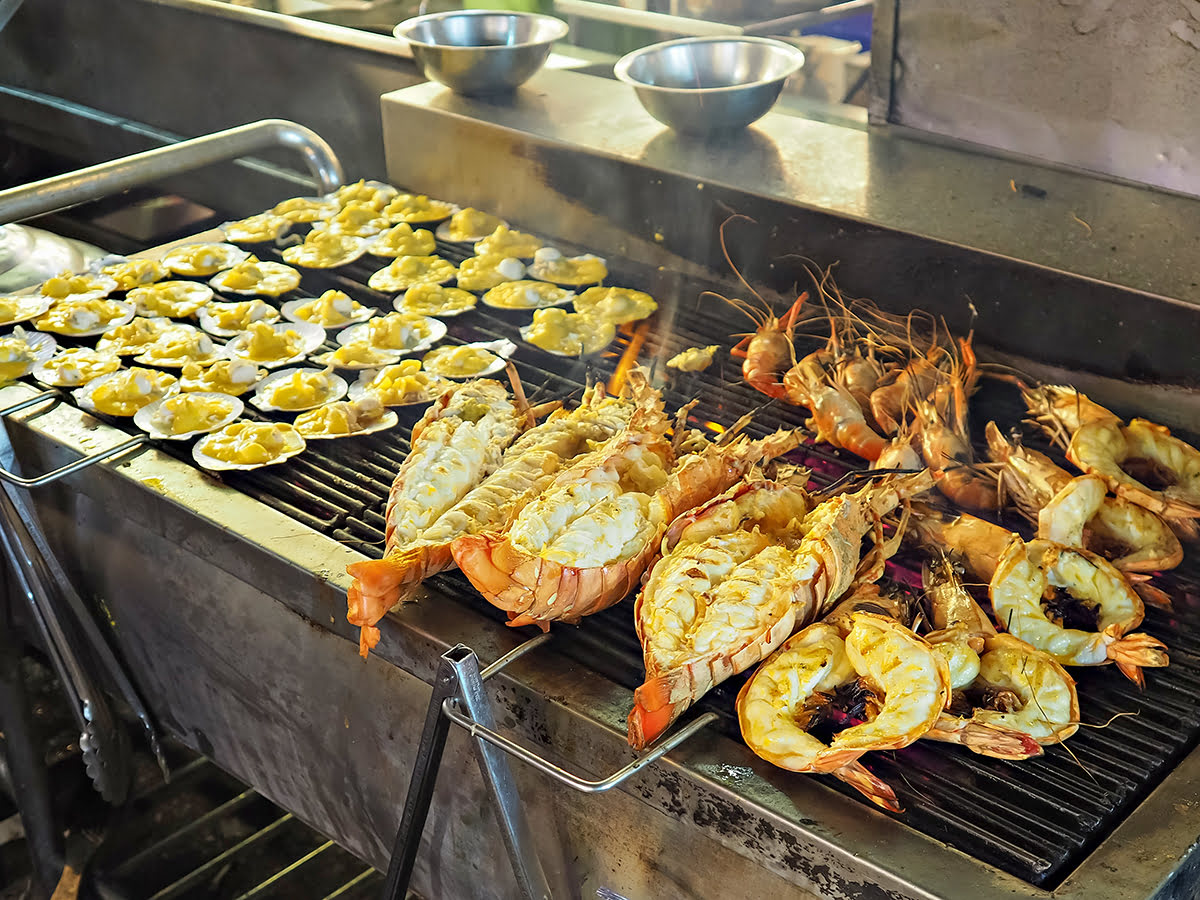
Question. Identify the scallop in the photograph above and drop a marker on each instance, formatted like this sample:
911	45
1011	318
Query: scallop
84	318
15	308
402	332
183	416
358	220
371	193
403	240
260	229
435	300
406	271
326	249
255	277
75	366
230	319
302	210
276	345
418	209
568	334
130	338
178	347
469	360
295	390
132	273
345	419
68	287
615	304
173	299
125	391
226	376
356	356
508	242
527	295
21	351
572	271
469	225
402	384
333	309
482	273
202	260
243	445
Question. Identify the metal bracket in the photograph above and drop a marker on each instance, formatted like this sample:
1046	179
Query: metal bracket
459	685
82	463
103	180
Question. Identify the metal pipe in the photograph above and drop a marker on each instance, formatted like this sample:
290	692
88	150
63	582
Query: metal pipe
70	468
484	731
103	180
811	19
493	763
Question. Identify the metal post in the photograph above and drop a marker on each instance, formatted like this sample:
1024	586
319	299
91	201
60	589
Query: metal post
104	180
424	778
493	763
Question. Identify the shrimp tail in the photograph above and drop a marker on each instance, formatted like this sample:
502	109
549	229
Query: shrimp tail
1152	595
869	785
984	739
1135	652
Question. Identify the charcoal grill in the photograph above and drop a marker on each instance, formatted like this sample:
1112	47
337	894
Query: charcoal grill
240	579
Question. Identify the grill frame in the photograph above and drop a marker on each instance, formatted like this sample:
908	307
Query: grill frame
714	804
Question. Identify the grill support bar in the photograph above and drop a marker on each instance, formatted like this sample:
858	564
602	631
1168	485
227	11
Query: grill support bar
459	682
103	180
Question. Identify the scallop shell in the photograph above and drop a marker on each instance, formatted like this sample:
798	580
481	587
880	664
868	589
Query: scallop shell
42	346
521	239
446	233
399	305
260	229
421	237
443	211
83	395
144	417
298	256
226	255
161	325
337	390
311	337
187	297
482	273
361	387
542	271
286	275
112	266
390	279
502	349
525	329
327	359
104	285
559	296
51	377
209	323
346	193
127	314
388	420
236	388
148	358
359	315
211	463
29	306
314	209
436	331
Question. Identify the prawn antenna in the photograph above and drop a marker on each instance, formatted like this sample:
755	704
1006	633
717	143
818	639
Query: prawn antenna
725	253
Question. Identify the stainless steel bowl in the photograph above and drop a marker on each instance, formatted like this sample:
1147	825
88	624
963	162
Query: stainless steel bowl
480	51
709	84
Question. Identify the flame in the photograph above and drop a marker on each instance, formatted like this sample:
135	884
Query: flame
715	427
628	360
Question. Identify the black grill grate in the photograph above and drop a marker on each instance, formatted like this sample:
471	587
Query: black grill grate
1036	819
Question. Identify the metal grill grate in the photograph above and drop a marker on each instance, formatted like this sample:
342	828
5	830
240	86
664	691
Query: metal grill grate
1036	819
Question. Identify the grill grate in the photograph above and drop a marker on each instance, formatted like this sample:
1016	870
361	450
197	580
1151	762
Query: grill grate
1036	819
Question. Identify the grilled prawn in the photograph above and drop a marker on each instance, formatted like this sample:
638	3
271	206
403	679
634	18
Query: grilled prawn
585	542
525	470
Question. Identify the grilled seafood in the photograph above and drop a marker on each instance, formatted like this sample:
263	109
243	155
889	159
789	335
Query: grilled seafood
902	687
584	543
525	470
836	415
977	543
455	445
944	437
1027	594
740	574
901	390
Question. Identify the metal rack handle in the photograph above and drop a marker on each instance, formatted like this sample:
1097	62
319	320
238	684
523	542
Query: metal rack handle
559	774
103	180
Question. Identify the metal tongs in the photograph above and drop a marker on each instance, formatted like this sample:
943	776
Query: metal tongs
75	643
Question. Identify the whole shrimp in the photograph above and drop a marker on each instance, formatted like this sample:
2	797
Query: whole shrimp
1077	512
836	416
524	471
584	543
740	574
457	443
899	687
1125	456
1041	591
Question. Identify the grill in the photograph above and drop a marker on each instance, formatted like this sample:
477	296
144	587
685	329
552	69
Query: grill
1036	820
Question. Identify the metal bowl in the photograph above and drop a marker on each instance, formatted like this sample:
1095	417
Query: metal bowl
479	51
709	84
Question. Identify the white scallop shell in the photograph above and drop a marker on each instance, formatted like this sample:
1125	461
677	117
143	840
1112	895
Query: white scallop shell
281	228
359	389
398	306
268	267
360	248
443	232
179	362
525	329
209	324
160	322
83	395
31	306
388	420
337	385
437	331
311	337
502	349
123	319
566	298
144	417
52	377
379	186
193	294
539	271
231	256
204	461
326	359
360	315
108	285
